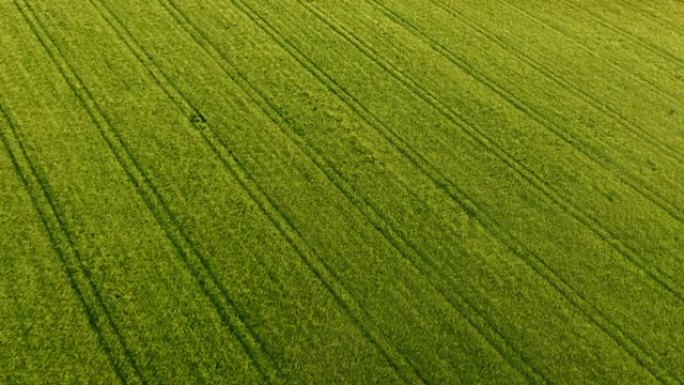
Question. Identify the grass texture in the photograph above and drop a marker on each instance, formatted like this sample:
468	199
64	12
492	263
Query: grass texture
341	192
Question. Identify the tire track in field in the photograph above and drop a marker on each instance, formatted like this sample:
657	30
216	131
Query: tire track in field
617	65
528	253
514	245
108	335
662	22
370	211
640	41
193	259
269	208
556	130
347	302
557	79
482	140
454	60
381	222
583	148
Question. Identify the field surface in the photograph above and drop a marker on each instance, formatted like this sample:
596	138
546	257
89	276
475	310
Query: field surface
341	192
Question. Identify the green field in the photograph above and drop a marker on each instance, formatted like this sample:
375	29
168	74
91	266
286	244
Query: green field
341	192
